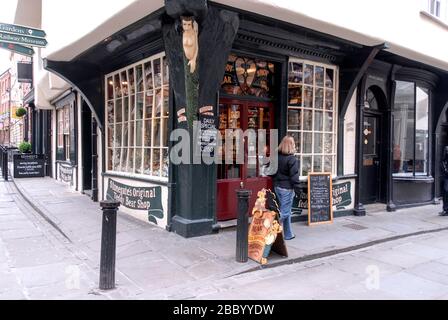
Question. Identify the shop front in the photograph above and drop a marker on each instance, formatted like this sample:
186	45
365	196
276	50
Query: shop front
365	117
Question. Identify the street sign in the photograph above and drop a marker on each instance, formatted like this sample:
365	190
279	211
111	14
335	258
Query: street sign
22	30
23	40
17	48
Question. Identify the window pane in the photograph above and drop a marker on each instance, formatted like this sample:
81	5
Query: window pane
295	72
320	76
126	109
165	163
156	162
148	76
110	136
318	121
110	88
157	132
118	135
138	133
306	165
110	112
307	120
319	103
328	143
294	119
131	133
147	162
124	83
329	78
139	75
117	158
318	143
404	126
138	160
110	157
309	74
297	140
132	108
328	164
119	110
117	85
147	134
166	94
131	80
164	132
307	142
295	95
421	132
124	159
166	74
329	99
131	160
328	121
308	99
139	111
317	165
157	73
159	101
148	106
125	134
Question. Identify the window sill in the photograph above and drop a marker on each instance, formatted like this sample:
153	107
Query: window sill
142	178
439	21
422	179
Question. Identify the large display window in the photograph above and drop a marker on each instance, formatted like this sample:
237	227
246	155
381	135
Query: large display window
312	116
137	118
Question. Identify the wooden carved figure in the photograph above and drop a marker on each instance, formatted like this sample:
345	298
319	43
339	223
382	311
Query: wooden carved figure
190	41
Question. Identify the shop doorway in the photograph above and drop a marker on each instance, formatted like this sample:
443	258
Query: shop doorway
374	156
240	114
87	159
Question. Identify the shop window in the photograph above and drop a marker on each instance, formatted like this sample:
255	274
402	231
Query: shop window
312	115
64	128
137	118
411	130
248	77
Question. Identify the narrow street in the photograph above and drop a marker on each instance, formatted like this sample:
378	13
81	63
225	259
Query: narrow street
39	261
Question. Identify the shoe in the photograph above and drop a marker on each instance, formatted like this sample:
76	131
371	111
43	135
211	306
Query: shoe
443	213
293	237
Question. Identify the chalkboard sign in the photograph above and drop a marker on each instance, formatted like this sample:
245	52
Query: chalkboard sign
29	166
320	206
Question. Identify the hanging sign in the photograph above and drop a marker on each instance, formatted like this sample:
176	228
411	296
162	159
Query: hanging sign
265	232
320	206
17	48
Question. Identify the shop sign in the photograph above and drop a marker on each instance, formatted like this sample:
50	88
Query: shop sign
342	197
138	198
66	173
29	166
265	232
320	208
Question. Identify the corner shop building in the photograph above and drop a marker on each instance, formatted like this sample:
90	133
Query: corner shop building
373	118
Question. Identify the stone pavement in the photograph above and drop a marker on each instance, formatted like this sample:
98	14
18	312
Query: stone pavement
155	264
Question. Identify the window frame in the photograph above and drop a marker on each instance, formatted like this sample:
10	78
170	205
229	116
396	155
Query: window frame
334	133
63	132
428	90
163	119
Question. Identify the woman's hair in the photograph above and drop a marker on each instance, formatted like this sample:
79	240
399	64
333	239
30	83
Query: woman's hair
287	146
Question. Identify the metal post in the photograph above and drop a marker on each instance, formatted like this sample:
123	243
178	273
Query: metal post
5	164
108	244
242	228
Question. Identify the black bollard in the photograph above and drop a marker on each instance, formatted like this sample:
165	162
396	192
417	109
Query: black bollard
108	244
242	228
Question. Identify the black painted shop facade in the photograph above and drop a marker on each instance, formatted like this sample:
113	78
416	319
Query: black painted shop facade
369	117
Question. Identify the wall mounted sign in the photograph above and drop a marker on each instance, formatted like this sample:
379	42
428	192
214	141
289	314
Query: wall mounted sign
342	197
207	140
138	198
265	232
320	206
29	166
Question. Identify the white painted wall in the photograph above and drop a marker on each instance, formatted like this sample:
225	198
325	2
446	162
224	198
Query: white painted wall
350	137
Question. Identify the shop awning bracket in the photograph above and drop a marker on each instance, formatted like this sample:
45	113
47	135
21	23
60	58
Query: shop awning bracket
86	80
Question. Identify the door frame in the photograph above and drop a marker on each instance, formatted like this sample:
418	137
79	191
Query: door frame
245	104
